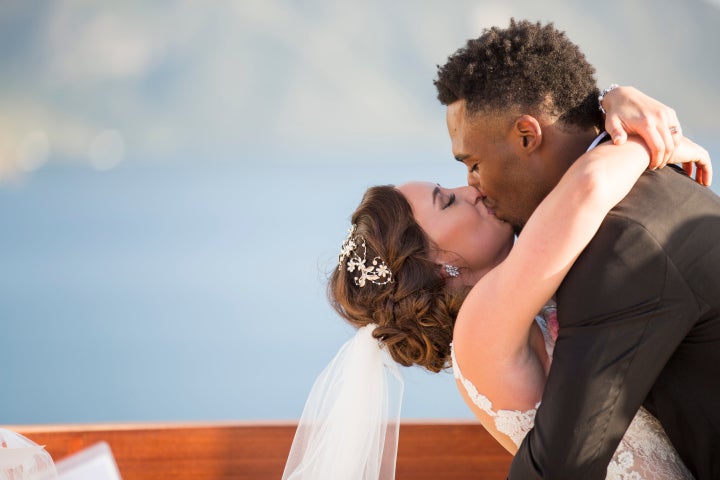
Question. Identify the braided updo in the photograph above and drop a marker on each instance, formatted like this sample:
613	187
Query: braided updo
415	313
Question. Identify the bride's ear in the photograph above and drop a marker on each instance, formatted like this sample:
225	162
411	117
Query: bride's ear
527	133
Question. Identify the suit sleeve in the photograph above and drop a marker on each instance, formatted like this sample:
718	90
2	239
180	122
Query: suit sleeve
623	309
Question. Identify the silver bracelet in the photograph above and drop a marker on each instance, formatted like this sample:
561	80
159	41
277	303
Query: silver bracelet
601	97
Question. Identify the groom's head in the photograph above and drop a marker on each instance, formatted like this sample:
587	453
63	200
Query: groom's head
522	103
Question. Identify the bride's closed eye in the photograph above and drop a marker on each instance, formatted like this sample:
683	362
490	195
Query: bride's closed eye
451	200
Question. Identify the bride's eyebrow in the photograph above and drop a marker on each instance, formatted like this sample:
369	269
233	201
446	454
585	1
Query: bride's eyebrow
435	194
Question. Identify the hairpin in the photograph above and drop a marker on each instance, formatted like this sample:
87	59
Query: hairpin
378	272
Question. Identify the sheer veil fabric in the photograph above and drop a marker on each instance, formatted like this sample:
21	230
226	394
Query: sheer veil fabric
350	425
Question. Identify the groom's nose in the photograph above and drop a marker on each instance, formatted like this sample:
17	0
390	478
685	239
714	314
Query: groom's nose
473	180
471	194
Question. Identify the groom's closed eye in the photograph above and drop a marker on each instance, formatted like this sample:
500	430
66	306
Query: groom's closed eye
463	158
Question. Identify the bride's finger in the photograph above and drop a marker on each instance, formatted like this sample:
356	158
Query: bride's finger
656	144
688	168
703	169
669	143
707	174
669	130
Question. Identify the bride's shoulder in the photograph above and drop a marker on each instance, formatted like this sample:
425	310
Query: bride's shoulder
510	384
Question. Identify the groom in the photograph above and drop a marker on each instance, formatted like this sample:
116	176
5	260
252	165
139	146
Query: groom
639	312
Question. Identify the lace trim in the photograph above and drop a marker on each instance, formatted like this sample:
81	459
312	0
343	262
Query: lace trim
513	423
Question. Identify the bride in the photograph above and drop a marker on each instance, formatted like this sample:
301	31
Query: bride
431	277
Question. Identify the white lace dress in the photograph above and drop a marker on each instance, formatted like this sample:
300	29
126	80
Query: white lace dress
645	452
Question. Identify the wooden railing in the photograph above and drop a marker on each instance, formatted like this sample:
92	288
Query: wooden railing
257	451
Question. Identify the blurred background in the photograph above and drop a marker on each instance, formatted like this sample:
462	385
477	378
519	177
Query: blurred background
176	178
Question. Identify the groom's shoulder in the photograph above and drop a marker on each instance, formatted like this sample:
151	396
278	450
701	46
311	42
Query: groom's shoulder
667	195
665	209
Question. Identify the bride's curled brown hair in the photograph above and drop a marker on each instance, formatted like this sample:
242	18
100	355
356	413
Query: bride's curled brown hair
415	313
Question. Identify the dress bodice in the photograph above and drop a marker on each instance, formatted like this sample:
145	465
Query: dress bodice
645	452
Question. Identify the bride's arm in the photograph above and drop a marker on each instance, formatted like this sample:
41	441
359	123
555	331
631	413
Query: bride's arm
630	111
499	310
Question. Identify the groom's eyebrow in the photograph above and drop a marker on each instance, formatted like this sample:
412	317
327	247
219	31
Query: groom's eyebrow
461	157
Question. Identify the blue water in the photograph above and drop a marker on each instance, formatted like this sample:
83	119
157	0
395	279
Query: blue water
184	291
152	293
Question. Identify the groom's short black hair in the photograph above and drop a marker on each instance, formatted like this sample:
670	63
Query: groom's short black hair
527	66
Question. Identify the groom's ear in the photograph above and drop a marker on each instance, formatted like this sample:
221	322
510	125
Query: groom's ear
527	132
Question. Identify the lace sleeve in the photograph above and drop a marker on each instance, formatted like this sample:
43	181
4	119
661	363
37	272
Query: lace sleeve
513	423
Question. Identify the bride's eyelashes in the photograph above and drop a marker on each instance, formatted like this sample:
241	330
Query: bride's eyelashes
450	201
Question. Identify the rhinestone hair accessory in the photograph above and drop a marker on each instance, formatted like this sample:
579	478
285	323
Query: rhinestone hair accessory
352	258
452	270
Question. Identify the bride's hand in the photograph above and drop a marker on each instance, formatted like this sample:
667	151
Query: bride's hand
688	153
629	111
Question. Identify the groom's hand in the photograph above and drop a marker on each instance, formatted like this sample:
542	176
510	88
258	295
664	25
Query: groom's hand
629	111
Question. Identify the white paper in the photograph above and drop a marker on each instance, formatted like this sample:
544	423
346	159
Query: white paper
93	463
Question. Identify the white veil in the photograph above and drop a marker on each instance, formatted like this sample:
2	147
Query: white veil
350	425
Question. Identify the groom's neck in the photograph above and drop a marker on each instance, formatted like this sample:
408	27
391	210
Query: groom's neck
563	146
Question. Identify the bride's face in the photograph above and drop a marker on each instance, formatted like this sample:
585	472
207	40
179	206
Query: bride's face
465	232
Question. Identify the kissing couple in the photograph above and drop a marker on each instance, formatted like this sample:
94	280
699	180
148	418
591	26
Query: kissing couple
572	286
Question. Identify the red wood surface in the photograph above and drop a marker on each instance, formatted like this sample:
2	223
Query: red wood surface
248	450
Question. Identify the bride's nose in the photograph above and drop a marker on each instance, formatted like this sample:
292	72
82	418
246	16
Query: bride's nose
470	194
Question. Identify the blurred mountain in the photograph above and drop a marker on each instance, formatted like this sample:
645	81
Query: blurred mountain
101	83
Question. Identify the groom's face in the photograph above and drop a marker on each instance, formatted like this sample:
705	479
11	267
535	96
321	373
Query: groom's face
494	163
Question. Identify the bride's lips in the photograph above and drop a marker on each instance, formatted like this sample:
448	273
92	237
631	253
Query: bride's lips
489	209
484	199
492	211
